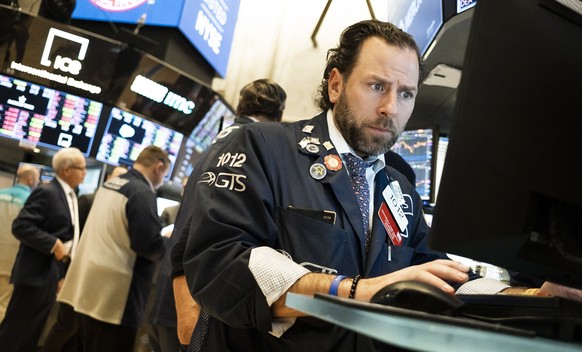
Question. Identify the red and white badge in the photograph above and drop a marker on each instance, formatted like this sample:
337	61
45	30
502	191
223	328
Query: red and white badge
395	209
332	162
390	225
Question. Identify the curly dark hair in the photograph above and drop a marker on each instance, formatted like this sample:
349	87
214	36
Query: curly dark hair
262	97
344	57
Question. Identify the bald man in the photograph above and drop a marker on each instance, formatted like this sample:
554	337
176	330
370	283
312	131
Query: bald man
11	201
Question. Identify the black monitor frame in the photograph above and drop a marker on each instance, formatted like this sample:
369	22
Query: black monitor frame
68	120
509	193
108	138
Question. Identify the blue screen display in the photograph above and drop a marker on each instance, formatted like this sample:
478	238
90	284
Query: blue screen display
421	19
157	13
209	25
416	147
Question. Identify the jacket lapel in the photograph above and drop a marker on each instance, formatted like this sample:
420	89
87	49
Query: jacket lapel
316	130
63	196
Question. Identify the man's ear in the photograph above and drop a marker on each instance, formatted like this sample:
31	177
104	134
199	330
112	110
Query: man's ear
161	167
334	85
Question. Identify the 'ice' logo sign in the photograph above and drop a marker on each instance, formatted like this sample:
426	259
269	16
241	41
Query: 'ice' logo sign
63	63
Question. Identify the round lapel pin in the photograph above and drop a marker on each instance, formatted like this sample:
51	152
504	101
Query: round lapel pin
317	171
312	148
333	162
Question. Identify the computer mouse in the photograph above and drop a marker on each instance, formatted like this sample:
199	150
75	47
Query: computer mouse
417	295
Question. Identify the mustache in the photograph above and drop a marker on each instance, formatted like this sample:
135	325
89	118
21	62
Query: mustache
384	123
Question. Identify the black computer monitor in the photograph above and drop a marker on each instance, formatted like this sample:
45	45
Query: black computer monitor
127	134
417	147
219	116
45	116
509	193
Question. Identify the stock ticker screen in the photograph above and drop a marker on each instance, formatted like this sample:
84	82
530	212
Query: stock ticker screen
416	147
45	116
218	117
126	135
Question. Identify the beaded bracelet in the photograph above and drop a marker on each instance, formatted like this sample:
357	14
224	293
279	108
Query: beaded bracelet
335	285
354	285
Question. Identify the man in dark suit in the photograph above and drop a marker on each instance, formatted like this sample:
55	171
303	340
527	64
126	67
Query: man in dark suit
62	335
45	229
276	210
262	100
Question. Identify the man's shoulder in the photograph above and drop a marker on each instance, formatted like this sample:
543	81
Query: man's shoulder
284	128
53	187
8	190
117	183
14	194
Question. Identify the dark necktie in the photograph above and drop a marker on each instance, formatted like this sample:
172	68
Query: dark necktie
357	168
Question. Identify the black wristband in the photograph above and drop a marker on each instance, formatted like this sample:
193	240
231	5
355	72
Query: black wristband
354	285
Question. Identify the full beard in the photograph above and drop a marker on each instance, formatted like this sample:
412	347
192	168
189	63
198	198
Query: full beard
354	133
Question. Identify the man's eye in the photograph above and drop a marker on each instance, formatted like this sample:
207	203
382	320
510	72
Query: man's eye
377	87
406	95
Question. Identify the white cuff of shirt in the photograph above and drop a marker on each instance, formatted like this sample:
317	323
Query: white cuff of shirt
482	286
275	273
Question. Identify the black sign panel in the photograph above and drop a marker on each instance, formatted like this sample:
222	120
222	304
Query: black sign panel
56	55
152	88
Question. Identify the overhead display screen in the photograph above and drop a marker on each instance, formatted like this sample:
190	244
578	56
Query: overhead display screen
152	12
209	25
56	55
421	19
151	87
46	117
217	118
126	135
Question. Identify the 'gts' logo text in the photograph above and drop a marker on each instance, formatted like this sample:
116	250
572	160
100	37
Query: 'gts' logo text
230	181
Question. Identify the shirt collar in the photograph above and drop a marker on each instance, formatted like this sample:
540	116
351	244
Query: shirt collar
65	186
146	179
343	147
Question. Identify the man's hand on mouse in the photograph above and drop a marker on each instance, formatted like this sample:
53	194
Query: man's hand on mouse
436	273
